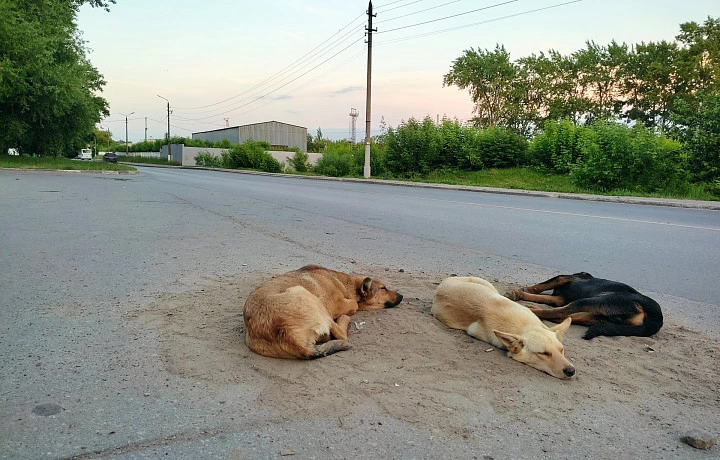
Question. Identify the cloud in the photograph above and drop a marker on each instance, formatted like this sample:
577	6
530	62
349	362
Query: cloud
348	89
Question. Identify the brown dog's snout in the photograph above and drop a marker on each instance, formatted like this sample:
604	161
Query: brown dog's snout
569	371
397	301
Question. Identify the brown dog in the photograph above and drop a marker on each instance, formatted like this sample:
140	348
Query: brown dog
304	314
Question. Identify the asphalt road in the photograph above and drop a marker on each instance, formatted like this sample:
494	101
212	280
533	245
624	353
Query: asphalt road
664	249
81	250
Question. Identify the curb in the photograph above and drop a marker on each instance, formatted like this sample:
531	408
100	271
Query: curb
647	201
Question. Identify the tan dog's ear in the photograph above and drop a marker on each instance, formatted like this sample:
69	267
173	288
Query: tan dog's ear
514	343
368	288
560	329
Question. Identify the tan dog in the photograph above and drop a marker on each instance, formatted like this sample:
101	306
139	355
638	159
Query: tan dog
304	314
475	306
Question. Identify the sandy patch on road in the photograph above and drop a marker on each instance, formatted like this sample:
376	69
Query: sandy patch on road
408	366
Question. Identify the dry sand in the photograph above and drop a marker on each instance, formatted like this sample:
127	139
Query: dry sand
629	392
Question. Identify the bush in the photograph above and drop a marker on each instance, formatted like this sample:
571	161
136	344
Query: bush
413	148
501	148
252	155
208	160
419	148
335	163
299	161
613	156
556	147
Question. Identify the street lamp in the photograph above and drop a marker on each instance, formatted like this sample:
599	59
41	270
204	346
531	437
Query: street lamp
168	132
126	137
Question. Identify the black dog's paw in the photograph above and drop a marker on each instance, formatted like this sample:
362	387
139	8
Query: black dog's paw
589	335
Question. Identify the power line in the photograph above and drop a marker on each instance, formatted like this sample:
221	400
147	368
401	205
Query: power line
392	3
487	21
284	78
400	6
352	58
278	88
417	12
449	17
324	48
280	72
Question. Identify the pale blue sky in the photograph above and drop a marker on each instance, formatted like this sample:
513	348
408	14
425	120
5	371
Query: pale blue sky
198	54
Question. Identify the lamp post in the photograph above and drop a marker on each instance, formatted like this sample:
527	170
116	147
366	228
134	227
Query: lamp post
168	131
126	136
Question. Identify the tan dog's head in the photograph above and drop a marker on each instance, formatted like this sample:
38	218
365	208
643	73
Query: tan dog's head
540	348
375	296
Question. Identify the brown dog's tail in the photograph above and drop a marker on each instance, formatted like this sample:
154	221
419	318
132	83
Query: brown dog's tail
328	348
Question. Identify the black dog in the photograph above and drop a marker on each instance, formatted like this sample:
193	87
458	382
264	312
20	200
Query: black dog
608	307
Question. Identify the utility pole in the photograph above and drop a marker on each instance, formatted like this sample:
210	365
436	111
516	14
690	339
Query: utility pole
145	129
168	131
370	30
126	134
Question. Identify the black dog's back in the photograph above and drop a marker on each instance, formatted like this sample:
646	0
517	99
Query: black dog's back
583	285
616	302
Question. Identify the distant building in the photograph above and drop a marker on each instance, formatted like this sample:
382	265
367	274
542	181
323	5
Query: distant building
278	135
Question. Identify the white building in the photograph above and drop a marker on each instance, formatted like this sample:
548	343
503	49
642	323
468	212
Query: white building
278	135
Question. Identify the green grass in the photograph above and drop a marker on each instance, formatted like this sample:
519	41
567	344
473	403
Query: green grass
512	178
532	179
25	162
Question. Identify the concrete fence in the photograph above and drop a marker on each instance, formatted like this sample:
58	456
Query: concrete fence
186	155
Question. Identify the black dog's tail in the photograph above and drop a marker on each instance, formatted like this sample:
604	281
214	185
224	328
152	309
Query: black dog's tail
650	326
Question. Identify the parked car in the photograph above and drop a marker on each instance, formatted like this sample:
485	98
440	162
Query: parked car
110	157
85	154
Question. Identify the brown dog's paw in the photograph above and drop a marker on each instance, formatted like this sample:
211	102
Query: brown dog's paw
512	295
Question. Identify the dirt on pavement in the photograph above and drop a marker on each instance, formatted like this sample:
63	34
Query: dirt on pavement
639	393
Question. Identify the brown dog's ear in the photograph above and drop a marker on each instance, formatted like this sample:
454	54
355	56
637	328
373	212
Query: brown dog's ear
514	343
368	288
560	329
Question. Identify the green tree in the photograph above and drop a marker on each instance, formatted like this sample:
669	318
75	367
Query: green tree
650	82
489	76
103	139
48	88
598	74
700	56
701	132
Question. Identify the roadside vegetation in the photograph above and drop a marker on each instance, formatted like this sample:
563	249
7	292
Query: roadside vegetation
28	162
614	119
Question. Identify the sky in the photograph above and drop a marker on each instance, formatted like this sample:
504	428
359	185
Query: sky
304	62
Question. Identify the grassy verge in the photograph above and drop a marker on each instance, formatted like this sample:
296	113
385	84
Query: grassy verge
23	162
532	179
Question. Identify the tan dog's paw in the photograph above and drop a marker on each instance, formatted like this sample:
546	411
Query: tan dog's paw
343	321
512	295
